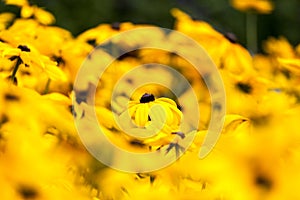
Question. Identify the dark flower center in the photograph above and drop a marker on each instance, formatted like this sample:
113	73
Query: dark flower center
59	60
92	42
24	48
263	182
130	54
11	97
28	192
147	98
137	143
3	120
244	87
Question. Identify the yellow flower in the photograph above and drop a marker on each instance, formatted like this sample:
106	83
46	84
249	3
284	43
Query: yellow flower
256	157
40	140
55	36
5	19
156	90
264	66
31	32
279	47
282	62
71	55
243	92
202	32
28	56
298	50
21	31
140	111
260	6
27	11
293	65
93	37
160	116
41	15
16	2
236	59
223	49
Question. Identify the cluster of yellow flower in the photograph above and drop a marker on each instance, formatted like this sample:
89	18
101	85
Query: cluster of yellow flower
41	156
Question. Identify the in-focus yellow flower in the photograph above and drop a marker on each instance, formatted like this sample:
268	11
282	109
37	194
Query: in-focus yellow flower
141	112
160	116
260	6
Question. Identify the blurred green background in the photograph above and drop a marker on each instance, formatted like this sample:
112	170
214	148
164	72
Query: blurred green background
80	15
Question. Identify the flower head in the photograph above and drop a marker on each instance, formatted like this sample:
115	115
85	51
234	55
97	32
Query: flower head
142	113
29	57
260	6
159	116
27	11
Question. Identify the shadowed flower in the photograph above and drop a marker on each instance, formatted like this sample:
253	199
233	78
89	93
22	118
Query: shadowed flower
223	49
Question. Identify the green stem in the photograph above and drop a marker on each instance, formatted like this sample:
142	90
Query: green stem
17	65
251	31
46	90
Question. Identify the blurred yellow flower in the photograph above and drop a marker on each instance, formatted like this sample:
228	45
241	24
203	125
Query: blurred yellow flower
142	114
16	2
293	65
213	41
279	47
41	15
30	57
41	144
28	11
224	49
244	92
5	19
260	6
93	37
